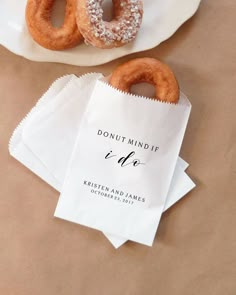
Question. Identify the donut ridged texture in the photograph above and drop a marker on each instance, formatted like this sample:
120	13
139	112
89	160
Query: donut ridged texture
38	19
147	70
122	29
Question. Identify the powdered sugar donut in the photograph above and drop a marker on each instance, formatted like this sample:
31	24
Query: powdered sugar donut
122	29
148	70
38	19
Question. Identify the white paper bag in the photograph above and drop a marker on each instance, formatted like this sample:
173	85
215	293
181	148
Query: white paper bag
36	140
123	163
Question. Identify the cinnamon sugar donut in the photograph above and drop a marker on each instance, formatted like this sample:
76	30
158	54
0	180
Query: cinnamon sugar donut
38	19
122	29
147	70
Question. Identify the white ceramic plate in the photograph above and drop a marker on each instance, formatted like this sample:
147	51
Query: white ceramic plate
161	19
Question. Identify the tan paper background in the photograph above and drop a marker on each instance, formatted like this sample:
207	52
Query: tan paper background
195	247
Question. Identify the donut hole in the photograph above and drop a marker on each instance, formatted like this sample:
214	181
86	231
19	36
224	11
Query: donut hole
107	8
58	13
143	89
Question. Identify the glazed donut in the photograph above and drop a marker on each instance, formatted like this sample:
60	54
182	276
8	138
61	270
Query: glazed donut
147	70
38	19
122	29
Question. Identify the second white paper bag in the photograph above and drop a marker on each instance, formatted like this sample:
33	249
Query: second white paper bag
123	163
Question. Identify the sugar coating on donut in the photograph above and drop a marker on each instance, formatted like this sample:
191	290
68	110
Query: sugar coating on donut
125	25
